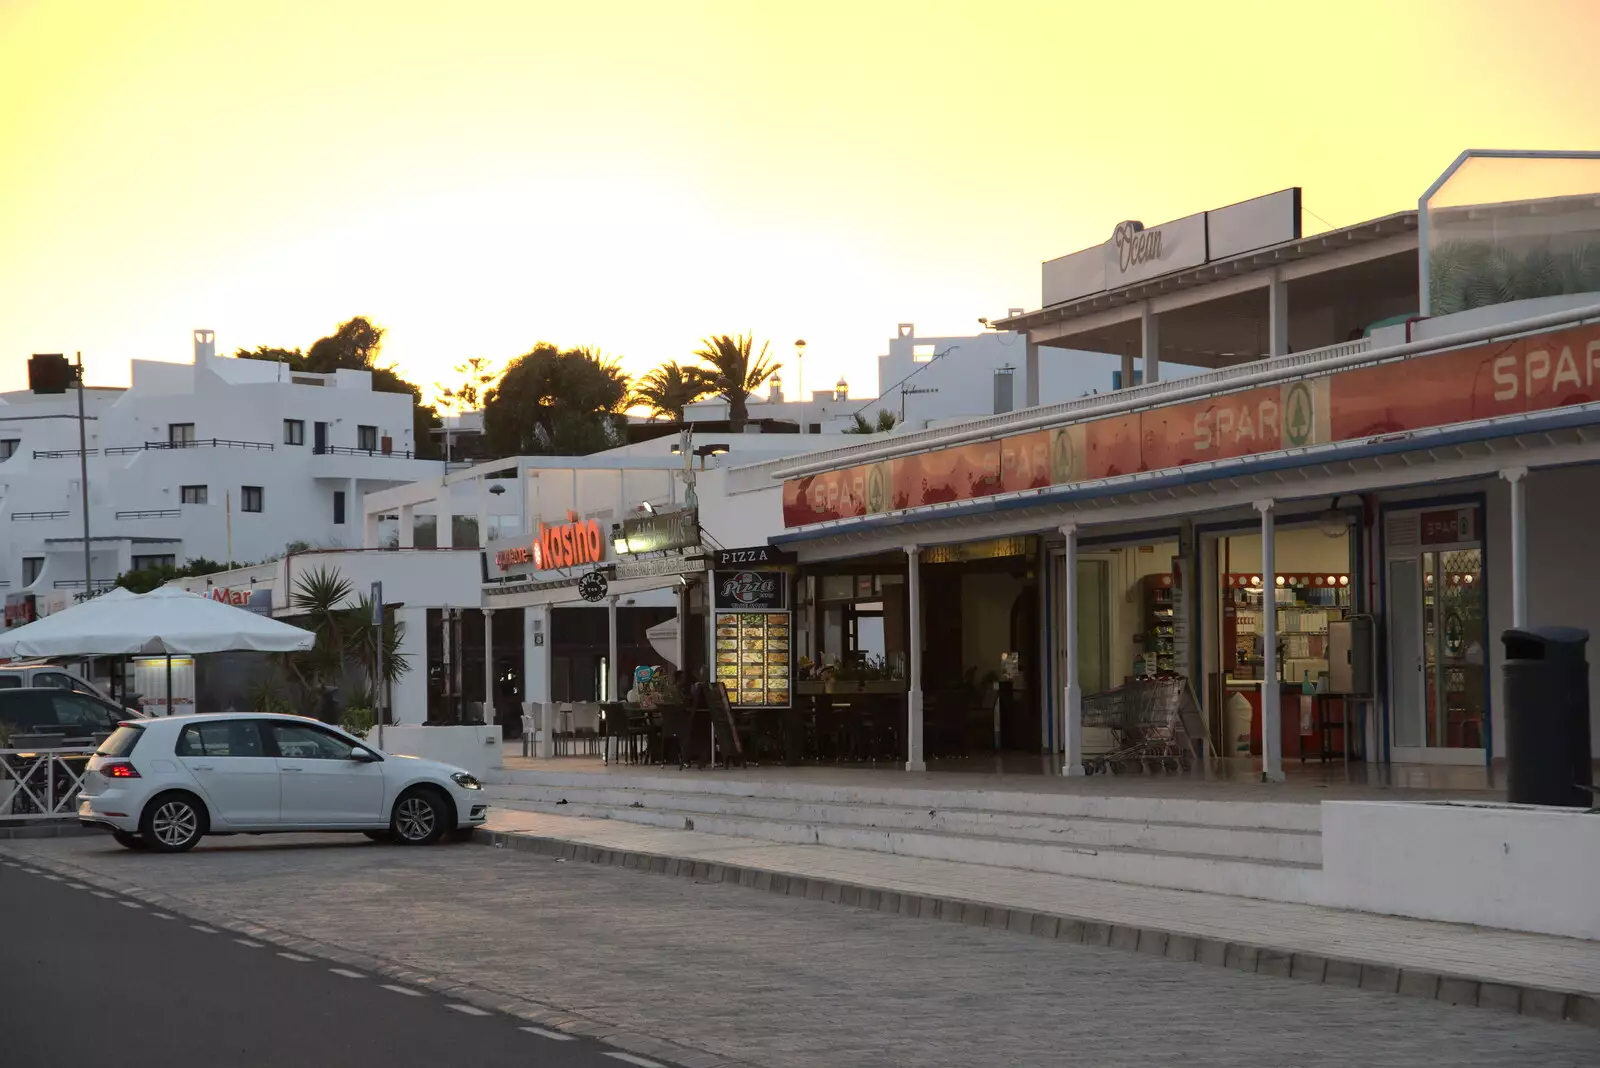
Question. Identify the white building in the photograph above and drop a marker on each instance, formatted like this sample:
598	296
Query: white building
932	381
221	458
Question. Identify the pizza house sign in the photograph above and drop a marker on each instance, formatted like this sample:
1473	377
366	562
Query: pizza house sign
1539	372
563	545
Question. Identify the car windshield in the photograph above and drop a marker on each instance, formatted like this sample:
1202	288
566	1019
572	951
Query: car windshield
121	742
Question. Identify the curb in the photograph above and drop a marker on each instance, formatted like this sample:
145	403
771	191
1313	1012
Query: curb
1280	962
544	1015
44	829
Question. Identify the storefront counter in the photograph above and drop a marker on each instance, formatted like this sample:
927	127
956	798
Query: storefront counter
1312	725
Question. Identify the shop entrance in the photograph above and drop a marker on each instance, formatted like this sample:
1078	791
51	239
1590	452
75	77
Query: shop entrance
1437	706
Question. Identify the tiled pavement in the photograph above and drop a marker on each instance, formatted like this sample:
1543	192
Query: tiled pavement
786	982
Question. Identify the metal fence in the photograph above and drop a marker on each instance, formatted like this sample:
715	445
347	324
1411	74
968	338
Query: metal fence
42	784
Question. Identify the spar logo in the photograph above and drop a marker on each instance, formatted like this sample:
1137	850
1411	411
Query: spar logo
749	587
878	489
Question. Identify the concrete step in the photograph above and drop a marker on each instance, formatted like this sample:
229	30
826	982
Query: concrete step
1270	844
1257	815
1273	881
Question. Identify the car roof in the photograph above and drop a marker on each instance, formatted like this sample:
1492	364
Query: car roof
208	717
42	689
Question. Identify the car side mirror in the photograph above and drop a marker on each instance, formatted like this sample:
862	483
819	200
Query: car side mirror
364	756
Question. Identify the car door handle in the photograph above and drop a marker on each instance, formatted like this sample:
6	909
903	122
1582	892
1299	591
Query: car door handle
202	767
282	768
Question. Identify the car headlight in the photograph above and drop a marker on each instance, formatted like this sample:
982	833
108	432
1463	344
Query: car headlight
466	780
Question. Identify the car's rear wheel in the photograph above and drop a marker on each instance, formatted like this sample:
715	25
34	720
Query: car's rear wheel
420	817
173	823
380	836
128	840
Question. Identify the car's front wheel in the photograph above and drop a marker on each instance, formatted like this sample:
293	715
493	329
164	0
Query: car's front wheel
173	823
420	817
127	839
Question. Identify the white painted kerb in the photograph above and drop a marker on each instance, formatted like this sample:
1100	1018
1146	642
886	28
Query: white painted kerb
1520	867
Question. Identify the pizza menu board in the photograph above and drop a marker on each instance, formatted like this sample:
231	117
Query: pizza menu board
753	636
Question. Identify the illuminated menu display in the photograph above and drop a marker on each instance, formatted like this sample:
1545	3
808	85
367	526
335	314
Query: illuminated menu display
753	657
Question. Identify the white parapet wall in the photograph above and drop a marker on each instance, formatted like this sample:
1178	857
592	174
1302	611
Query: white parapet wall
1520	867
474	748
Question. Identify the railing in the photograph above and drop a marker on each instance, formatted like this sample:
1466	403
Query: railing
27	517
761	475
350	450
152	513
192	443
42	784
63	454
77	584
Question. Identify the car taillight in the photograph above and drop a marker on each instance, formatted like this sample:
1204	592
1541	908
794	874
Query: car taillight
119	769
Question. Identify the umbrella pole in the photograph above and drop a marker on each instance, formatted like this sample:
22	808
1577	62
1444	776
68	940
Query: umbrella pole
170	705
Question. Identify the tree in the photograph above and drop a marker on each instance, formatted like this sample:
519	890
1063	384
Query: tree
478	375
557	403
148	578
671	388
885	423
735	374
354	346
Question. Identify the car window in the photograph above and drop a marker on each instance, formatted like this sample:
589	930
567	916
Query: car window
8	681
75	710
26	711
53	678
308	743
225	738
121	742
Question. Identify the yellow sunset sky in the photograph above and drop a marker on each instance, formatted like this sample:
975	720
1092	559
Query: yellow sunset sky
477	177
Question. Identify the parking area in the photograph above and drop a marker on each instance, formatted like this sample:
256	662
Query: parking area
784	982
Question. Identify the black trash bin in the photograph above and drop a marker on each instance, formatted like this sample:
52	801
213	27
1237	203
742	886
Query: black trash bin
1547	717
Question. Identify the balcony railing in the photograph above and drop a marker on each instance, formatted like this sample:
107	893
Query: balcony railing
152	513
348	450
36	517
100	585
63	454
192	443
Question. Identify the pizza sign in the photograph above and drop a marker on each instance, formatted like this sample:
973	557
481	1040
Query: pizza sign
751	590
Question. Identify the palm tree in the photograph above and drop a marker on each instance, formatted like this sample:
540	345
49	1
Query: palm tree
671	388
885	423
735	374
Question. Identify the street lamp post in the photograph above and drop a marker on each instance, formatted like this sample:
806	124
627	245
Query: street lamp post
800	374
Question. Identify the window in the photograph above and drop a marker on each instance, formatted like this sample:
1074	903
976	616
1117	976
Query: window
307	743
84	713
250	499
338	506
229	738
31	568
922	354
53	679
180	433
152	563
121	742
367	438
294	431
193	495
8	447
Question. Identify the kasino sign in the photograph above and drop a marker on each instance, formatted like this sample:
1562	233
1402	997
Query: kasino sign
577	541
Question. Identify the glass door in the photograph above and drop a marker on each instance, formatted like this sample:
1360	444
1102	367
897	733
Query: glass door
1406	701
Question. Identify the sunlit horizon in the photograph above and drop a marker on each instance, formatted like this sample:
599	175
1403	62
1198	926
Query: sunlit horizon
638	178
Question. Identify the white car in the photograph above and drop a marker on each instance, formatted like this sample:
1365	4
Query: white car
163	784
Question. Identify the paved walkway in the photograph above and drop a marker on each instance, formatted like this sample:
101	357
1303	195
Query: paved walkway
1440	949
759	979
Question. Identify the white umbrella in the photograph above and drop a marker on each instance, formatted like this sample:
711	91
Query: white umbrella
166	621
663	638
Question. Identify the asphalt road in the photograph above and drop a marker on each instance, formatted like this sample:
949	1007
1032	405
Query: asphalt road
88	978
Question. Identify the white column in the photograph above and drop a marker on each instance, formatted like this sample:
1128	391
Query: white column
488	666
914	761
536	639
408	526
1518	478
369	530
409	692
352	508
1271	692
1072	706
1277	316
1031	368
613	676
1150	342
1127	368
